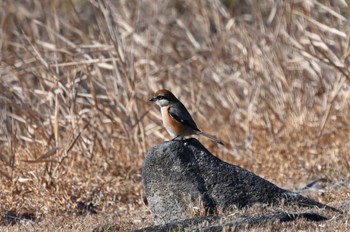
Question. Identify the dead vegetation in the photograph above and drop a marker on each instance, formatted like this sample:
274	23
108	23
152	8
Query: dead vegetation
271	78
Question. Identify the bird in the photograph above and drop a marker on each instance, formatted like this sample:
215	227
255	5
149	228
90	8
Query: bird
176	118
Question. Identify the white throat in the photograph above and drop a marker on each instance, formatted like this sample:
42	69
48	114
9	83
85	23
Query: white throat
162	102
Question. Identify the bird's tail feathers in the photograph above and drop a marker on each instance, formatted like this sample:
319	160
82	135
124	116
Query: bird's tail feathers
210	137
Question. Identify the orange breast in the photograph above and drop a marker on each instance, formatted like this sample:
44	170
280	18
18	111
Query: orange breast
173	127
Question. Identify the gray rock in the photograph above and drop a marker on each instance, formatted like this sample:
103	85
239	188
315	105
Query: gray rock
180	176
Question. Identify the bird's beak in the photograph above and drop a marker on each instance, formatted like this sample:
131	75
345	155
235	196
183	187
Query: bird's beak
152	99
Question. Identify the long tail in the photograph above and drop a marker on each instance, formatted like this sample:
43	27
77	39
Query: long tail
210	137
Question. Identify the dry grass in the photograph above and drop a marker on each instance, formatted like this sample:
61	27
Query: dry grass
270	77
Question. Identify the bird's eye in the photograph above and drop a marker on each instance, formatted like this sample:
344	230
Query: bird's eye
160	97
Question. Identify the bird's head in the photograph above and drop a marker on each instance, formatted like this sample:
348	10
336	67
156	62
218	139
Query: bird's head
163	97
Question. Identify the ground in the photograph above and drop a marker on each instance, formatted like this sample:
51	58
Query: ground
270	79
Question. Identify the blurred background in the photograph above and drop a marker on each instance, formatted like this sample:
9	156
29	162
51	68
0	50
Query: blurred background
271	78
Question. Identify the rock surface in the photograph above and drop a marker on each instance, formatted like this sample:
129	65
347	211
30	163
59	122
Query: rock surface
182	176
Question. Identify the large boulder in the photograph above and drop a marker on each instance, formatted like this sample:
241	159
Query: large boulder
180	177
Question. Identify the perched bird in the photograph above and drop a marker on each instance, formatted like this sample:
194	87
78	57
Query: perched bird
176	119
